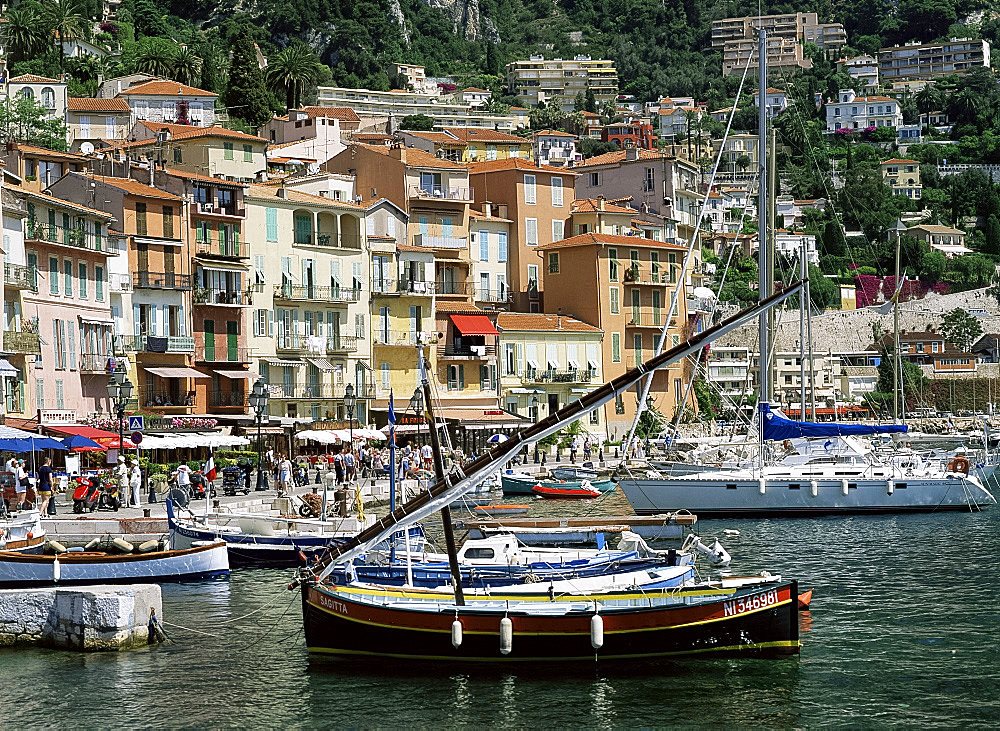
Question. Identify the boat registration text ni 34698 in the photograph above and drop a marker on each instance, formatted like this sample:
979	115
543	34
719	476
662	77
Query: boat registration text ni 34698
751	603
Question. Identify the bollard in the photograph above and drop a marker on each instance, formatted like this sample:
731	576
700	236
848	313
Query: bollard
146	513
543	457
536	453
318	480
601	454
340	496
616	452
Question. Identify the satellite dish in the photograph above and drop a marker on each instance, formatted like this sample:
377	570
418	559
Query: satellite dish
87	148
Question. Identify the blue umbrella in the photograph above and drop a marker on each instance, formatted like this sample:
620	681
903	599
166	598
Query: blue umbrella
37	444
79	443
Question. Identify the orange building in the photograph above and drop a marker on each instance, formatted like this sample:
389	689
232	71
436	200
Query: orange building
622	285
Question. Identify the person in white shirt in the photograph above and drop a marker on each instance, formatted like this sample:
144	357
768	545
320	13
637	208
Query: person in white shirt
427	455
183	475
20	485
134	483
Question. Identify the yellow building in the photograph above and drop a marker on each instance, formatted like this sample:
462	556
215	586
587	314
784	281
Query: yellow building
596	215
903	176
548	361
465	144
215	151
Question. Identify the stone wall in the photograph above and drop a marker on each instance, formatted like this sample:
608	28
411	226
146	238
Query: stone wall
88	618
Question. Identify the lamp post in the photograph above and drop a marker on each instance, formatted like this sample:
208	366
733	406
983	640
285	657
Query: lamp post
120	391
534	418
258	402
350	401
417	402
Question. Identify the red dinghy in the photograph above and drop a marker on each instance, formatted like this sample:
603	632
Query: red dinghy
584	490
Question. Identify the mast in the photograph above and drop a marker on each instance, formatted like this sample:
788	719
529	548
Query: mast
897	364
802	332
449	531
765	279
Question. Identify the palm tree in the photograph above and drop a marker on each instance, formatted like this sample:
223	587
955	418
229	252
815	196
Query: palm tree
156	57
966	106
186	67
68	19
25	31
928	100
290	69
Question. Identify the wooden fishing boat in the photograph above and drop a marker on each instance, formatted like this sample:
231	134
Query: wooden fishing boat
22	532
582	530
574	473
752	621
97	567
524	484
581	492
502	509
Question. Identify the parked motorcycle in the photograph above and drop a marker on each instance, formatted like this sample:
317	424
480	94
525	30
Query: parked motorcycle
87	494
111	497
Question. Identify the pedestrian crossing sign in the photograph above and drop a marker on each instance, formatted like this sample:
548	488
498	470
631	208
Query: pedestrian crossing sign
136	423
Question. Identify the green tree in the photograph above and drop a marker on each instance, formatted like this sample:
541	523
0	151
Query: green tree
25	31
417	123
834	242
823	293
925	20
579	102
913	379
291	69
186	66
67	19
961	328
156	56
589	101
971	271
991	233
932	266
25	120
246	94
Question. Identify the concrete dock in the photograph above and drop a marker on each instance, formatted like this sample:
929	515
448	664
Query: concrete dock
88	618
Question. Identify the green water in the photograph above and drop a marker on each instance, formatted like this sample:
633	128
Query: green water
904	630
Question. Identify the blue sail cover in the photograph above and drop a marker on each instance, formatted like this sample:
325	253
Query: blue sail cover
777	427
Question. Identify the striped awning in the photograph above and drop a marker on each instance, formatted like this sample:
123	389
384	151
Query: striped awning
323	364
177	373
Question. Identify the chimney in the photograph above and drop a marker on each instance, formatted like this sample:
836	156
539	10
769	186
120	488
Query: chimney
281	191
632	153
559	319
502	210
600	202
488	209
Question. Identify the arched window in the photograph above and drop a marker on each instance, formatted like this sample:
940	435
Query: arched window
26	92
48	98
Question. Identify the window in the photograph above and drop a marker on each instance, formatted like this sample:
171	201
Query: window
533	277
111	127
53	275
502	246
558	228
531	231
554	262
616	347
386	381
595	180
271	218
82	280
227	150
556	185
247	153
84	127
359	326
529	190
484	246
637	346
456	377
168	222
99	283
613	264
140	219
509	363
648	184
178	154
614	300
39	394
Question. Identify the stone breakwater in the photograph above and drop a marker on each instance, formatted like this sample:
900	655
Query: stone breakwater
88	618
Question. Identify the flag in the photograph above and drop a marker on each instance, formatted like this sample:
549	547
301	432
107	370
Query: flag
210	469
392	411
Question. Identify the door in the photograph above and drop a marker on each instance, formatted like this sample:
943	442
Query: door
553	403
232	340
209	340
635	306
309	277
142	252
313	381
484	286
416	324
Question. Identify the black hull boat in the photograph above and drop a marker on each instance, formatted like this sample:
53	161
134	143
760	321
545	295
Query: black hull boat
354	622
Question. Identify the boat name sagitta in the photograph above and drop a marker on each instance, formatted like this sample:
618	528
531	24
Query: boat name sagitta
332	604
750	603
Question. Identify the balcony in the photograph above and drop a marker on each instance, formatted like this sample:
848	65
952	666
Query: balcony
161	280
214	209
74	237
120	283
230	297
321	391
384	286
314	293
400	338
228	399
94	362
336	241
455	288
659	277
178	402
22	343
442	193
492	296
467	352
154	344
315	345
222	249
454	243
647	317
552	375
17	276
417	287
222	354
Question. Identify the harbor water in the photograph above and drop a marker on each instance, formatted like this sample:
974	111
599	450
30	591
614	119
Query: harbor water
903	629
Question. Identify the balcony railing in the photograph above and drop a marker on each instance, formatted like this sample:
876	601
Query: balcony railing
646	317
316	293
227	249
484	294
552	375
440	242
95	362
320	391
442	192
222	354
165	399
461	288
120	283
17	276
161	280
338	241
211	296
472	352
228	399
384	286
22	342
75	237
306	344
661	276
396	337
417	287
209	208
155	344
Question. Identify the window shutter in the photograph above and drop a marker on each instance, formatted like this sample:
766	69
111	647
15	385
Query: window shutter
72	347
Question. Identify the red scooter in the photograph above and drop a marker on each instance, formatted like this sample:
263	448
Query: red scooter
87	494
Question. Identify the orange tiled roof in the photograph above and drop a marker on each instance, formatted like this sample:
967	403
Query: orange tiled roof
591	239
900	161
415	157
619	156
538	322
514	163
205	178
59	201
164	87
428	135
475	88
87	104
469	134
134	187
592	205
344	114
33	79
480	216
553	133
33	150
296	196
189	131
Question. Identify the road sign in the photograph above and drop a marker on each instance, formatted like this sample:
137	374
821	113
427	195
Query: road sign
136	423
137	437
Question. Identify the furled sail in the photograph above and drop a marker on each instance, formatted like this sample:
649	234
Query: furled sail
777	427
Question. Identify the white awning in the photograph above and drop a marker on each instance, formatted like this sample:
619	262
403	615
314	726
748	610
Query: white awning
525	391
573	363
592	364
322	363
6	369
581	390
532	363
237	375
157	242
366	366
177	373
278	362
234	268
553	365
323	436
96	319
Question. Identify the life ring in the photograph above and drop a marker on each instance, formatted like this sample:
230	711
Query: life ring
959	464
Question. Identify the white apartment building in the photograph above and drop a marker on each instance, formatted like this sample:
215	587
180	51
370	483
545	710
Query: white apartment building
50	93
728	370
559	81
863	69
776	100
416	78
798	27
161	100
790	244
396	104
917	61
554	147
851	111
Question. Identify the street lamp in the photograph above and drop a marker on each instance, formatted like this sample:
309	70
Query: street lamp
534	418
120	391
350	401
258	402
417	403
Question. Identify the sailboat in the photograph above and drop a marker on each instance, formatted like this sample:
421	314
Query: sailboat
753	617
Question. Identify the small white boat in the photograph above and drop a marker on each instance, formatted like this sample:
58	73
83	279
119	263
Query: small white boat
22	532
209	561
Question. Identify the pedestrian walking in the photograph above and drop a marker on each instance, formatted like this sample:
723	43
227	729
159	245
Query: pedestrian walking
284	475
135	483
338	467
45	485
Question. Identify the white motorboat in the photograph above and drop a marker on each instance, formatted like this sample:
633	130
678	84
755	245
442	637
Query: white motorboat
22	532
